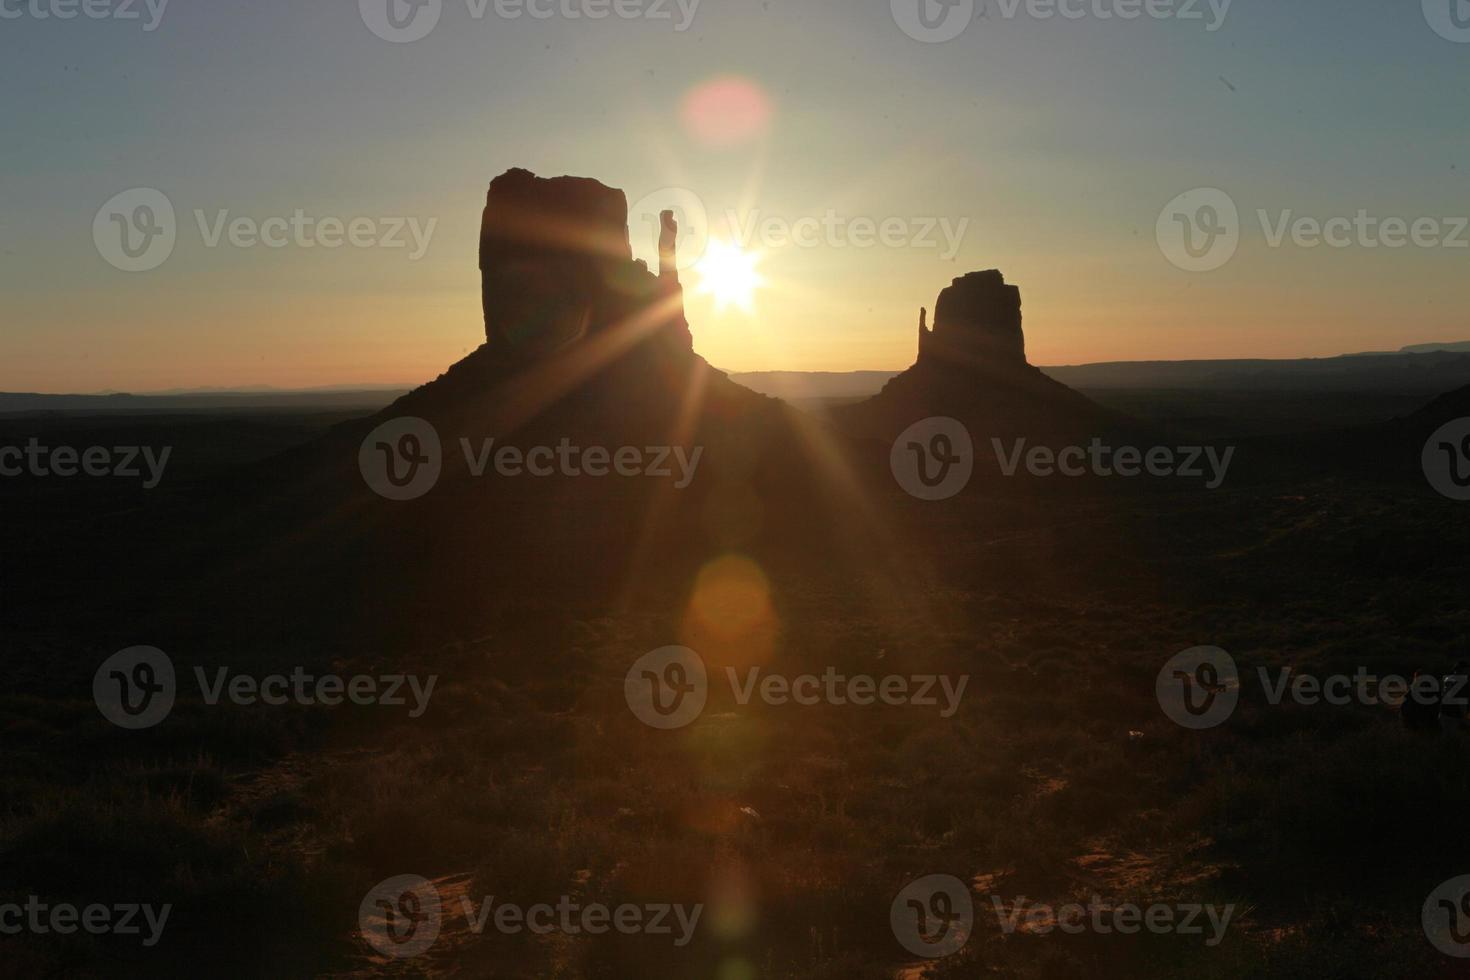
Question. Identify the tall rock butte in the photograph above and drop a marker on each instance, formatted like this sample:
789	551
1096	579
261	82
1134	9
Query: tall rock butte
556	265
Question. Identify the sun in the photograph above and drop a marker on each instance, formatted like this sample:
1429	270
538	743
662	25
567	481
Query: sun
727	272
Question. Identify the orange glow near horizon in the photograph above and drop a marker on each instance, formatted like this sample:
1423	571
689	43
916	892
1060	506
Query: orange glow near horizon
1091	292
1052	159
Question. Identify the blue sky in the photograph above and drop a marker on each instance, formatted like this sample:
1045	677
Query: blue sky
1056	141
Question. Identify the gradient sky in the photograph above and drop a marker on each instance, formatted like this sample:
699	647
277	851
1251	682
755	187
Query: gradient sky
1059	141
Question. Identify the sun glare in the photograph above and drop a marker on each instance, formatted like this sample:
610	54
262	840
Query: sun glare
727	272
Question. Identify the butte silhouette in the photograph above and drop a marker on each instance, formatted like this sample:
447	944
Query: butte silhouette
585	345
972	366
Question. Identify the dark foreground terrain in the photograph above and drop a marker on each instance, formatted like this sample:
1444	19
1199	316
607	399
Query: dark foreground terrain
1058	778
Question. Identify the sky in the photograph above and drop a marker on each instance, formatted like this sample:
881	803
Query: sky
1074	153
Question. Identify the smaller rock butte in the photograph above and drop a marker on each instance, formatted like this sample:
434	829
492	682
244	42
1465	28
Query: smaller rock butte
972	367
556	264
977	321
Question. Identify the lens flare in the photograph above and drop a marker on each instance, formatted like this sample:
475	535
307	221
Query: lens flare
727	273
731	619
726	112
